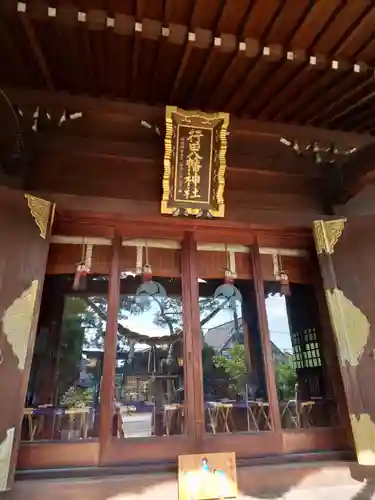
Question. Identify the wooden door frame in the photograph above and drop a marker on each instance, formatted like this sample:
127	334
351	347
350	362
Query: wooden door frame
110	451
110	349
113	450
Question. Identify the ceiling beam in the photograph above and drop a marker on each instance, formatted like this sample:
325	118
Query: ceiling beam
151	154
254	218
44	11
155	115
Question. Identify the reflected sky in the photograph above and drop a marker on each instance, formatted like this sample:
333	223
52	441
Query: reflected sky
278	322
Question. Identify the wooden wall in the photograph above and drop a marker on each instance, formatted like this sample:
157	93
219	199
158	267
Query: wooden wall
23	255
114	157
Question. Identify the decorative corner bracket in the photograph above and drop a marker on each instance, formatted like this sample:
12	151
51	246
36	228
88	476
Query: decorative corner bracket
327	234
42	212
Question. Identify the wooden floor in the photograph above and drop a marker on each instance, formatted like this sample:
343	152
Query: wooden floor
317	480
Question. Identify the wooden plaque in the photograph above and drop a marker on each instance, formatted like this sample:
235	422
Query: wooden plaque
194	163
207	477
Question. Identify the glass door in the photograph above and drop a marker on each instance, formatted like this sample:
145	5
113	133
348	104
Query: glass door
234	382
149	378
148	364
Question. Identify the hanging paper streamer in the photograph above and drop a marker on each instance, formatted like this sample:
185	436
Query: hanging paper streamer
139	259
281	275
148	288
83	268
228	290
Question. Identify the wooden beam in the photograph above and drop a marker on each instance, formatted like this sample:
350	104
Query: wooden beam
331	364
150	154
192	340
265	338
36	50
243	217
110	344
42	13
368	125
182	66
327	111
9	46
136	55
356	173
300	132
155	114
220	53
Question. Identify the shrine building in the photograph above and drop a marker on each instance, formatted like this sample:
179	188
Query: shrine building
187	234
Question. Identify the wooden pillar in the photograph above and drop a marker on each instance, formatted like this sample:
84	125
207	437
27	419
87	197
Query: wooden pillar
24	234
346	257
110	346
265	337
330	358
192	341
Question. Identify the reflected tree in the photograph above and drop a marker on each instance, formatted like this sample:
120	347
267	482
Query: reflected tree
84	324
234	365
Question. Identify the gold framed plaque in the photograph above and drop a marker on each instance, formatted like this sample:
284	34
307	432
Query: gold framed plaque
194	163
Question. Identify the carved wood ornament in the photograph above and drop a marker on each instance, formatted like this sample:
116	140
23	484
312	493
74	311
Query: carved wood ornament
327	234
42	212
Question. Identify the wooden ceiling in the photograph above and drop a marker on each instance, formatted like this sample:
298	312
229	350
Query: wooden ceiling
291	61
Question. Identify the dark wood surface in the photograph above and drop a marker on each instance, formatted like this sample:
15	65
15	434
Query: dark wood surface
110	346
23	258
331	358
188	344
108	141
193	359
143	52
76	216
49	455
347	274
265	337
262	173
256	446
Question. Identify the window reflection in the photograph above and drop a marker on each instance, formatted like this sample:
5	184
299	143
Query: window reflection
64	386
233	373
305	398
149	388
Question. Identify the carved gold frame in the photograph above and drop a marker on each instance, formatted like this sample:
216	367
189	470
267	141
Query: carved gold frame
169	111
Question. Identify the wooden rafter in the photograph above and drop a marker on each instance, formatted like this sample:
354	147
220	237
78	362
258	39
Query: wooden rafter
213	68
312	81
283	28
368	124
342	102
266	40
345	114
354	45
36	50
182	67
330	89
307	65
8	44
